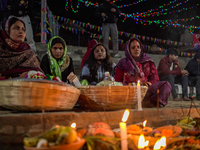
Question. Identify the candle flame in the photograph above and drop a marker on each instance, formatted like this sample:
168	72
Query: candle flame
73	125
125	116
163	141
138	83
146	143
141	141
157	145
144	123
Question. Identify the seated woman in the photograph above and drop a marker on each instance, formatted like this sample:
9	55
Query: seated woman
138	66
16	57
56	62
91	44
97	64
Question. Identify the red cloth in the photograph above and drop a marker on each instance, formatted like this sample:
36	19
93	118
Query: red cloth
91	44
148	73
164	67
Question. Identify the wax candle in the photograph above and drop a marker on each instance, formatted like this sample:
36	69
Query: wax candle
139	96
123	131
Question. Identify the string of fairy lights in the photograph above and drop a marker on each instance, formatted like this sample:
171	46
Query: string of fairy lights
149	13
89	3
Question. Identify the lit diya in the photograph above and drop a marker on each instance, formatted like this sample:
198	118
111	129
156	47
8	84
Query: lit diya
139	129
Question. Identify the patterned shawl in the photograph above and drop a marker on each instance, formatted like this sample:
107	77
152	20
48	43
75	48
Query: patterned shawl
128	64
57	67
15	58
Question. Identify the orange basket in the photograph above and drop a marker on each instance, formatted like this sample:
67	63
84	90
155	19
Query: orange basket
37	95
109	97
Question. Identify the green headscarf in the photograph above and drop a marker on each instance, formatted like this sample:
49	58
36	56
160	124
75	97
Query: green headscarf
54	64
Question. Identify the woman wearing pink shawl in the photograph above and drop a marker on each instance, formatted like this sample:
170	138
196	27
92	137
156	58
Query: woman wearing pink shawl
91	44
138	66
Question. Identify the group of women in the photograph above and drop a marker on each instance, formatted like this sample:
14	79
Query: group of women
17	59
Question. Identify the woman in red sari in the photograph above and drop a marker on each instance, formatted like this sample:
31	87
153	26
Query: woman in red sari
138	66
16	57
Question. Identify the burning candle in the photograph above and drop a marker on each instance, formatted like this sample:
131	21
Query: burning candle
144	123
139	96
157	145
142	143
163	141
123	131
73	126
160	143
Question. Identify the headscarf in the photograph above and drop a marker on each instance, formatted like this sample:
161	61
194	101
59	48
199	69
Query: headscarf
91	44
57	67
15	58
128	64
8	42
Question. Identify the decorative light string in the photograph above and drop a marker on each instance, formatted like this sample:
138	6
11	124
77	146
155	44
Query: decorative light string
149	13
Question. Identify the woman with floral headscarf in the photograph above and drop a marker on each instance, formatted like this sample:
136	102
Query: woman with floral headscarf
138	66
56	62
16	57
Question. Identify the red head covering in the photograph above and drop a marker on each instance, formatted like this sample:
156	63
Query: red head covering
91	44
15	58
8	42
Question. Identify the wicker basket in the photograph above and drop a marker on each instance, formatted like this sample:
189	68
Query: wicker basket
109	97
37	95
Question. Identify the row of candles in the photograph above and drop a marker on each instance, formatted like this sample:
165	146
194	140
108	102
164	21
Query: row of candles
142	144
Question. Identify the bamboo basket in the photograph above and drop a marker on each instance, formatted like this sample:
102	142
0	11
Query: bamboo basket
109	97
37	95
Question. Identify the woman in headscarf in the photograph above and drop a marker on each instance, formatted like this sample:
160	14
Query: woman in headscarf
56	62
91	44
138	66
16	57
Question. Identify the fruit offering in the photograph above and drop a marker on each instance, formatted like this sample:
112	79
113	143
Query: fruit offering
187	123
135	128
57	135
167	132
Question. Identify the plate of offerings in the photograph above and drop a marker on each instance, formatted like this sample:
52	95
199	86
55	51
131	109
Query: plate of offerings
137	130
153	140
73	146
192	132
169	131
56	138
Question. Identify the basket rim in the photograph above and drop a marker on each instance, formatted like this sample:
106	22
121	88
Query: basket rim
35	80
37	83
108	87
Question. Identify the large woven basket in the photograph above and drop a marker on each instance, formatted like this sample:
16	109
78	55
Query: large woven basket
109	97
37	95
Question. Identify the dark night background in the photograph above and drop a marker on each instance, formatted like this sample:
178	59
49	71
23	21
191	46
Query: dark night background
86	14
